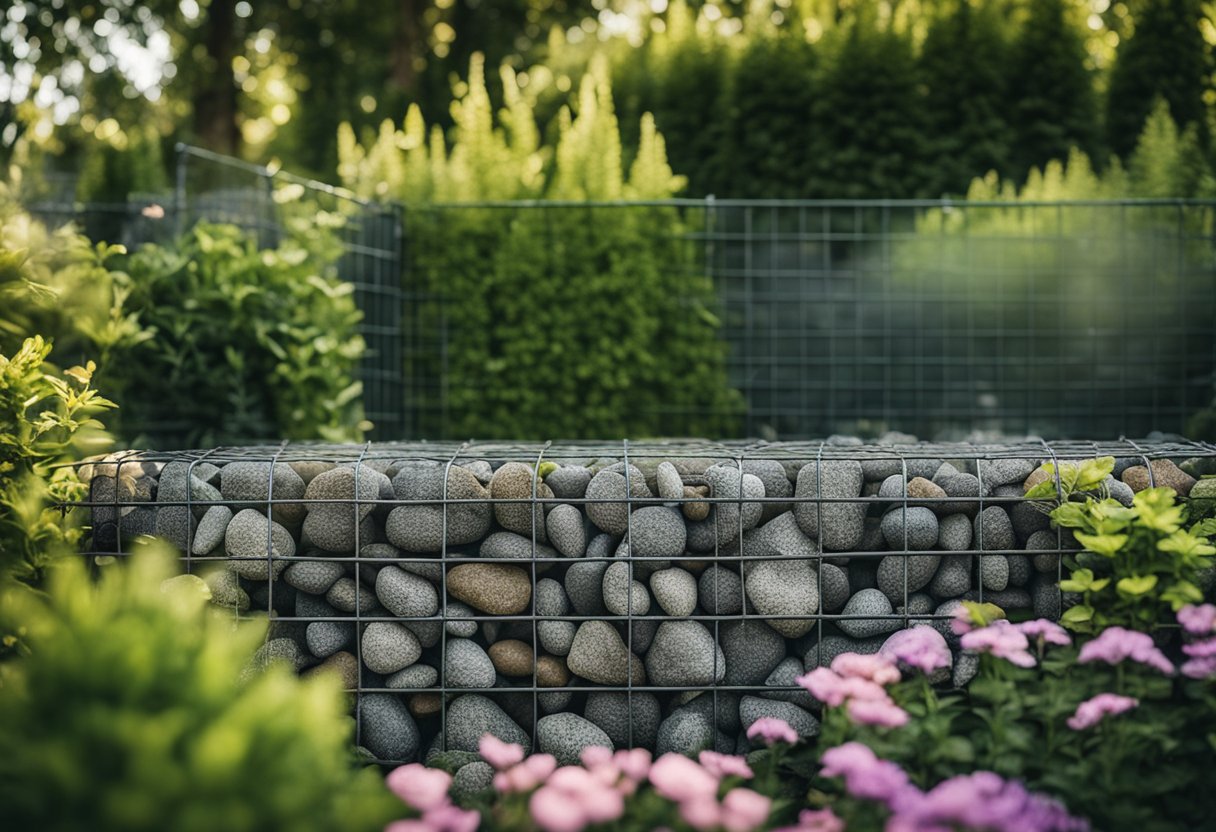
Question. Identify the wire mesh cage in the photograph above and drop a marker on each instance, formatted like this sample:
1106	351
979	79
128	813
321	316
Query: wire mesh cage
560	594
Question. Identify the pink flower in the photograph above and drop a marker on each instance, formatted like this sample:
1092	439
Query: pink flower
866	776
823	820
409	826
634	763
554	810
725	765
744	810
772	730
1115	644
420	787
595	755
832	690
499	754
960	621
1001	639
573	797
678	778
1197	620
1094	710
875	668
449	818
1203	668
921	648
881	713
982	800
701	813
527	775
1047	631
1202	649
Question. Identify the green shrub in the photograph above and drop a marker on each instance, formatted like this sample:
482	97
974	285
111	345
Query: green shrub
127	713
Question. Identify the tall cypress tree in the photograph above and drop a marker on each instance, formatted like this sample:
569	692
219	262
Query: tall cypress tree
1165	57
1054	108
962	65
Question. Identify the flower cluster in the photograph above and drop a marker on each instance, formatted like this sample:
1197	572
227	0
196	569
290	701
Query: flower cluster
1093	710
426	790
1199	621
918	648
981	800
771	730
694	787
815	820
1001	639
1117	644
857	682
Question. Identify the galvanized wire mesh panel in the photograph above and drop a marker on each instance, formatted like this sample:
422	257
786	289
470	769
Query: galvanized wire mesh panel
928	317
662	594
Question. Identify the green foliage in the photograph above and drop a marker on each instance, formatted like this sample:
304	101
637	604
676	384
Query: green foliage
46	418
126	712
1140	565
571	321
109	173
1068	479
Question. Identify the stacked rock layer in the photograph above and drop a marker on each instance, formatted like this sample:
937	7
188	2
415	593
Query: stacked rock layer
665	596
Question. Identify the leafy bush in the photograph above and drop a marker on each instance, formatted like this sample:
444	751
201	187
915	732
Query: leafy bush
577	321
126	713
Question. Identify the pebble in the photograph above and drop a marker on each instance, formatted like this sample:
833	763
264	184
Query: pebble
251	484
386	728
511	657
783	676
331	526
622	594
997	472
684	732
753	708
454	620
466	665
919	603
785	588
1019	570
599	654
961	485
566	735
1165	474
245	544
471	780
556	637
953	577
843	523
314	576
344	665
780	536
675	590
872	604
226	590
347	596
1045	598
942	617
657	532
609	512
210	532
830	646
518	481
752	650
915	634
966	666
472	715
993	531
920	570
551	672
1122	492
493	588
585	586
566	532
695	508
994	572
670	484
569	482
954	533
929	491
388	647
921	528
776	483
683	654
420	528
835	587
614	711
173	523
406	595
1047	543
414	676
720	591
512	546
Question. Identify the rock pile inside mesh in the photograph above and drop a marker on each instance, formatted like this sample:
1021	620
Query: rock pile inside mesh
683	616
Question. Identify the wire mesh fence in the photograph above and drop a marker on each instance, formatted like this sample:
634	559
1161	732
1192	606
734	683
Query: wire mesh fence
657	594
268	204
936	318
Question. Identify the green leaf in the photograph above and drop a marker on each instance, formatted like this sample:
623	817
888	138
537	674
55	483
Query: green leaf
1078	614
1137	585
1102	544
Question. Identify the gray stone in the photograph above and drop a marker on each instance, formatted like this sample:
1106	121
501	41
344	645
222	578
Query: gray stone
993	531
919	603
959	486
783	676
556	637
622	594
702	536
458	620
918	569
780	536
471	780
554	701
1019	570
684	654
684	732
414	676
835	589
609	511
386	728
310	606
599	654
772	476
953	577
1048	543
551	598
210	532
785	587
614	711
998	472
1011	598
753	708
245	542
569	482
994	572
657	532
871	604
347	596
420	528
727	483
517	481
722	710
752	650
921	529
966	666
512	546
892	487
313	576
675	590
428	633
585	587
566	735
405	594
173	523
466	665
226	590
388	647
565	528
251	485
843	523
863	573
1045	598
954	533
670	484
1122	492
943	473
472	715
720	591
942	621
331	526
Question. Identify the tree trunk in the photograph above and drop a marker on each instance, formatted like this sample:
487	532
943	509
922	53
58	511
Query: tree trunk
215	102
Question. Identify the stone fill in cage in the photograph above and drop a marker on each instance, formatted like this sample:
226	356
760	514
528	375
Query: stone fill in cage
657	594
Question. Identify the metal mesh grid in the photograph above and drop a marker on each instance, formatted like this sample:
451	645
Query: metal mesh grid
119	513
936	318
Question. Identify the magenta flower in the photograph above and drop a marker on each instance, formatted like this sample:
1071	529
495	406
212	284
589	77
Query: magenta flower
1197	620
420	787
449	818
983	800
725	765
1048	632
501	755
1203	649
1092	711
833	690
678	778
772	730
1202	668
865	775
744	810
1001	639
921	648
960	621
1115	644
415	825
526	776
875	668
701	813
812	820
883	713
634	763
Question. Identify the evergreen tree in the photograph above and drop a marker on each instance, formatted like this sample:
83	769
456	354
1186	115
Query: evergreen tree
1052	90
1165	56
962	64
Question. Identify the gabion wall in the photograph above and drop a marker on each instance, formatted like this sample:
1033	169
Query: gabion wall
662	595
